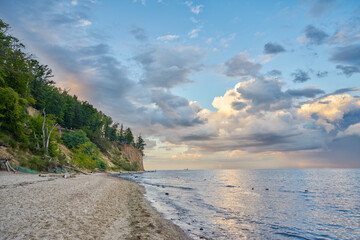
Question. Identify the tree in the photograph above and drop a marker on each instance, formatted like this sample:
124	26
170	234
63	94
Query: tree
121	138
128	136
74	139
140	144
12	111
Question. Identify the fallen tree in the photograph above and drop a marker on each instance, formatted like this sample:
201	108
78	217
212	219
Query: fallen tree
7	164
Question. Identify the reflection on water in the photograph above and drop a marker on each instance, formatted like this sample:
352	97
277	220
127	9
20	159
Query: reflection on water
259	204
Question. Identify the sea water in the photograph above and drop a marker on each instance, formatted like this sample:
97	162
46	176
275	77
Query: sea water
258	204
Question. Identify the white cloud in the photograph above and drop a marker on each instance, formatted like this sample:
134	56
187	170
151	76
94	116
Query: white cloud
209	40
351	130
225	41
143	2
84	23
194	33
74	2
167	37
196	9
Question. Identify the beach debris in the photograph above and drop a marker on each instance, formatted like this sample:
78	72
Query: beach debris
76	170
66	175
201	229
7	164
252	188
166	193
306	190
266	189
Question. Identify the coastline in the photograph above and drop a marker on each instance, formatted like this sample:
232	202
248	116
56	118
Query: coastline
98	206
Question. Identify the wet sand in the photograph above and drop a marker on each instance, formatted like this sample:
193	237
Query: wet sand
97	206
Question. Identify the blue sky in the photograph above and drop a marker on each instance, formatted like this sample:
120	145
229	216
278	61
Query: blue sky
210	84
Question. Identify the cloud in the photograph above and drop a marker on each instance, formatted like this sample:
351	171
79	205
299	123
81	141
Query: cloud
143	2
194	33
305	92
167	67
225	41
322	74
241	66
320	7
315	36
351	130
348	70
167	37
345	90
139	33
273	48
349	55
84	23
329	111
274	73
238	105
250	119
187	156
174	110
196	9
263	94
300	76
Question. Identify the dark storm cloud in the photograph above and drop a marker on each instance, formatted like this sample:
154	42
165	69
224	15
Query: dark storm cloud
348	70
241	66
300	76
320	7
273	48
315	35
348	55
274	73
322	74
139	33
305	92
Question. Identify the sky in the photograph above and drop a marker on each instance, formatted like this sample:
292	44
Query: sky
210	84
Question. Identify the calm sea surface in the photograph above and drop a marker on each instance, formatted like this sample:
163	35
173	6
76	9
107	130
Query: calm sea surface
235	204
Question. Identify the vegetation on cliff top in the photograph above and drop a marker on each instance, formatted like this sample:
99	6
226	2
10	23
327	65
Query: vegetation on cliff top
84	130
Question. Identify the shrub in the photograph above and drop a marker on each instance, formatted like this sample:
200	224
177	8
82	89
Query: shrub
86	156
74	139
100	164
37	163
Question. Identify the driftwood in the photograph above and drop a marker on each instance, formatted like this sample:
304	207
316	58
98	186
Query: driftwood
77	170
66	175
7	164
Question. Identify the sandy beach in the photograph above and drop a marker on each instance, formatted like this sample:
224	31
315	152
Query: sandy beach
97	206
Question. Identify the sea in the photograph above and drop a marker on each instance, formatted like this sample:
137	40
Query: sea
258	204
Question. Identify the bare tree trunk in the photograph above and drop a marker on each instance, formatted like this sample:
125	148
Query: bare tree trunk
37	143
43	129
48	137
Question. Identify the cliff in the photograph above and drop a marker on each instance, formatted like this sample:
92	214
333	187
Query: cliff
133	154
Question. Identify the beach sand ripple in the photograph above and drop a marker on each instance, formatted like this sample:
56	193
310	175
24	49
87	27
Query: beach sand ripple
99	206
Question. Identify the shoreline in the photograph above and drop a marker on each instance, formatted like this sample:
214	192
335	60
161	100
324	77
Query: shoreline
97	206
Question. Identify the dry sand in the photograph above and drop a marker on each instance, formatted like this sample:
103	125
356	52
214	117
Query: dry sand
98	206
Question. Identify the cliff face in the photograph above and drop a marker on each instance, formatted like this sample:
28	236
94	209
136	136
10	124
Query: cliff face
133	155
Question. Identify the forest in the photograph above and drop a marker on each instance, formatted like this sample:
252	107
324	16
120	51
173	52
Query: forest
86	131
